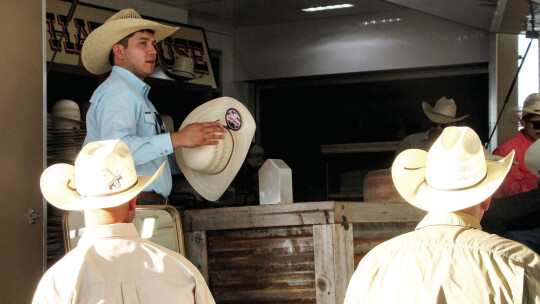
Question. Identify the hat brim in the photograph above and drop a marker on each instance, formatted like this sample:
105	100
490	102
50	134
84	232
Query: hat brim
532	158
54	186
212	186
97	46
438	118
409	172
181	75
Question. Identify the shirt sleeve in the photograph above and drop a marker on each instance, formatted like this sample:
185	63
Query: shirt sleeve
118	115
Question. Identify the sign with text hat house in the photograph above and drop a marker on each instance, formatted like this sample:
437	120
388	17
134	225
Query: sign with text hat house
186	41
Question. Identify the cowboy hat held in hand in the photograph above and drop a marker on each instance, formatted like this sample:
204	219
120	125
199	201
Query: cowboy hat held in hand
97	46
444	111
452	176
210	169
104	176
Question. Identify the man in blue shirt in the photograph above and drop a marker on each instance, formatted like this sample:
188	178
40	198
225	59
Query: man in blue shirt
120	108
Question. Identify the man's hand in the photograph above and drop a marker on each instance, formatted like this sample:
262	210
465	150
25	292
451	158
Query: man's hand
198	134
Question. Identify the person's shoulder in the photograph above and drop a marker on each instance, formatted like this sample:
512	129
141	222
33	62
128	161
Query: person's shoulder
509	249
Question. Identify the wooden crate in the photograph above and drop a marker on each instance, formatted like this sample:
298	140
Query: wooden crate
290	253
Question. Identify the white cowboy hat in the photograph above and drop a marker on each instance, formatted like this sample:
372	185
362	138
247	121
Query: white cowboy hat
97	46
452	176
183	67
444	111
531	105
532	158
104	176
210	169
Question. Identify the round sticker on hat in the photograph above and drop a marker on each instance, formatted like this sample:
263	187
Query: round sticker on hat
234	121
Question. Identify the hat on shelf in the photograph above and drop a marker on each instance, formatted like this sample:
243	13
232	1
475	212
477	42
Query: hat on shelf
66	115
183	68
210	169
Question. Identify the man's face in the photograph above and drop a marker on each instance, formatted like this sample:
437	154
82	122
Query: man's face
528	127
140	55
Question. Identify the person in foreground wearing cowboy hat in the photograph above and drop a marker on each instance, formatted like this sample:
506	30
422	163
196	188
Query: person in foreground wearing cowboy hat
440	116
448	258
515	208
112	263
120	108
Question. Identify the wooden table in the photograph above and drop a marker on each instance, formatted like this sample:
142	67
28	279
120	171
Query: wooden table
289	253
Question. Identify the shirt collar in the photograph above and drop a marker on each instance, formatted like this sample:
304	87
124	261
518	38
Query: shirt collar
449	219
133	81
93	233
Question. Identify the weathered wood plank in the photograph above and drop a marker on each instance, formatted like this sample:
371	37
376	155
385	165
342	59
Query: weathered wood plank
197	251
334	262
377	212
259	216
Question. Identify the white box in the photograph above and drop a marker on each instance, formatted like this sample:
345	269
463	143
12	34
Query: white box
275	182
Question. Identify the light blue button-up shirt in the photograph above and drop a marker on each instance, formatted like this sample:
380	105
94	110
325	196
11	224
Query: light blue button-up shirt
120	109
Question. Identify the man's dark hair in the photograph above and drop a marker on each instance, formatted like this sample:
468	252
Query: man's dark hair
124	42
528	116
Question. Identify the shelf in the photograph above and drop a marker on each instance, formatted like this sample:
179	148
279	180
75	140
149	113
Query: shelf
385	146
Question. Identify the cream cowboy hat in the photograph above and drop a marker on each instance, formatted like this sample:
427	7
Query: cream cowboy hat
97	46
104	176
444	111
452	176
531	105
210	169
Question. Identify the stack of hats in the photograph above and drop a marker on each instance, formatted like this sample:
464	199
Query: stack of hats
65	132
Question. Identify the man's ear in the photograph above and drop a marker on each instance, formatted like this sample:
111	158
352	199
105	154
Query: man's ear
522	122
132	204
486	203
118	51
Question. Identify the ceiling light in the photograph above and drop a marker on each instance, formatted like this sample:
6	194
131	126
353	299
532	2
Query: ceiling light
328	7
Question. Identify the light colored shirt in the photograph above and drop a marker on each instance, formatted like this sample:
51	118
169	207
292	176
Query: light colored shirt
448	259
414	141
120	109
112	264
519	179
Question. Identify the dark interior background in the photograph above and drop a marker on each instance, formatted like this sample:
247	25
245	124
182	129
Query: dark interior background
296	120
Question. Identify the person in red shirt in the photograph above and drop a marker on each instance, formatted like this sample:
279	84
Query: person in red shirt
515	208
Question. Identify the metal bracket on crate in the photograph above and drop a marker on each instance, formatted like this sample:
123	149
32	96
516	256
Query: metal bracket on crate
345	222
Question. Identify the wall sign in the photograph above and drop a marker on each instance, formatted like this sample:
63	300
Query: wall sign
188	40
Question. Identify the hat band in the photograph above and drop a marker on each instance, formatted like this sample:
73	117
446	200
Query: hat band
102	195
447	116
458	189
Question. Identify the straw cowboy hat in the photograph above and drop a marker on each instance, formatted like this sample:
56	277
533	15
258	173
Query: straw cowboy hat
531	105
532	158
452	176
444	111
97	46
104	176
210	169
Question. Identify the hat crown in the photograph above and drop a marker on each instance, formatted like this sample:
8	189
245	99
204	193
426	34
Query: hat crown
532	103
456	160
446	107
210	159
127	13
104	168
